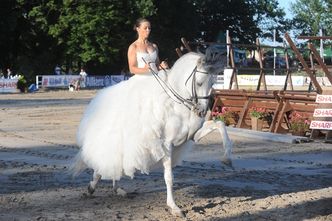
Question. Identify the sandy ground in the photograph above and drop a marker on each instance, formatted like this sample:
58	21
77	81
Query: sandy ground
269	181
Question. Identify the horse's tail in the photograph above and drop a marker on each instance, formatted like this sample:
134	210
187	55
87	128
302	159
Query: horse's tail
77	166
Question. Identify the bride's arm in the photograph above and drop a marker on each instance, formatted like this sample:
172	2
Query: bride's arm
132	62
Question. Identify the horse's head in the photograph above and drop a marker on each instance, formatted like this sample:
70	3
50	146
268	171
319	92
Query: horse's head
215	59
191	76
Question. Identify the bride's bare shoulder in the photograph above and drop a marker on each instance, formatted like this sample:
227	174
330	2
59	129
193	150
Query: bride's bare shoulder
132	48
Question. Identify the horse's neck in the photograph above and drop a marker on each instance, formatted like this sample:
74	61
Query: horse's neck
182	70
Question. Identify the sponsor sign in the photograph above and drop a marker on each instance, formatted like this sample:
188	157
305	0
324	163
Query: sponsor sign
59	81
326	99
248	80
8	85
271	80
323	125
324	81
323	113
103	81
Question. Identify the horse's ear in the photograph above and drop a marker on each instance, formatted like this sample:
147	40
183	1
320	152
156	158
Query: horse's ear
200	62
214	60
213	54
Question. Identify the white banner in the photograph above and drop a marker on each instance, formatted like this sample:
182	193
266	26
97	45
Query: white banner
8	85
323	113
323	81
252	80
103	81
323	125
59	80
271	80
326	99
89	81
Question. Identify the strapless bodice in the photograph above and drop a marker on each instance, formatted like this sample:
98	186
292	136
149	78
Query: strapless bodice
150	58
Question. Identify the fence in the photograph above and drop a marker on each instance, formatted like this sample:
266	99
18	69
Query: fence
63	81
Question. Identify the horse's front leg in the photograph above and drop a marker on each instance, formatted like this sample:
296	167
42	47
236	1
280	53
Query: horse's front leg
168	175
210	126
228	144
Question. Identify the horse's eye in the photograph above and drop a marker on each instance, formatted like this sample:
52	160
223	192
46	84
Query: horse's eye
199	84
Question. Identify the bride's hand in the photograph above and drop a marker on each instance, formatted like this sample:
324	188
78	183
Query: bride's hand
147	67
164	65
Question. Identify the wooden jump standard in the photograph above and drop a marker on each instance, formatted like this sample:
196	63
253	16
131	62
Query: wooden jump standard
279	103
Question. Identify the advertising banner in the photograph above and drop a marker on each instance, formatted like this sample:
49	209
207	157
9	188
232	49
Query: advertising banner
323	114
271	80
103	81
64	81
58	80
323	125
8	85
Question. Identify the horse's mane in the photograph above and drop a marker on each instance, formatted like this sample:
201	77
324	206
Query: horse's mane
188	60
187	56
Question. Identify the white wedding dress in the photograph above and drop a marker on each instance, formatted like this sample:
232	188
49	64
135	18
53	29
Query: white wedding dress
120	131
150	58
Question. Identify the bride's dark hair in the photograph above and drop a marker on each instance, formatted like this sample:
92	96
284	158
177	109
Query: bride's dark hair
139	21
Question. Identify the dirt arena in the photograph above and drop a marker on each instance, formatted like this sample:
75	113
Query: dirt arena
269	181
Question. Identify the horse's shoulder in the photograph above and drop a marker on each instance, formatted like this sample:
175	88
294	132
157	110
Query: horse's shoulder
193	53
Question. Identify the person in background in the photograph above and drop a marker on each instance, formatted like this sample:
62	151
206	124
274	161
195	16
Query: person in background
143	54
57	70
83	76
1	74
9	73
83	73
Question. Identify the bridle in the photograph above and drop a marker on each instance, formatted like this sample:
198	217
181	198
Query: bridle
194	96
191	103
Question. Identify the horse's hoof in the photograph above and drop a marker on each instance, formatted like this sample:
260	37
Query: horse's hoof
178	212
121	192
228	162
90	190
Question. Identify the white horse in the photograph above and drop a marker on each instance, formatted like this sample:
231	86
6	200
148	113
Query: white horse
149	120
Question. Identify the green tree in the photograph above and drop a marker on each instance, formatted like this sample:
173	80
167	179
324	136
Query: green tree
173	19
36	35
245	19
25	48
310	16
89	33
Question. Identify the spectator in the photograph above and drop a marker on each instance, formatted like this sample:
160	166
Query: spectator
9	73
57	70
83	75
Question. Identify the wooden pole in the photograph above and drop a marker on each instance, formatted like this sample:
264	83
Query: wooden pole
313	70
233	79
185	43
320	62
178	51
288	73
261	79
301	59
